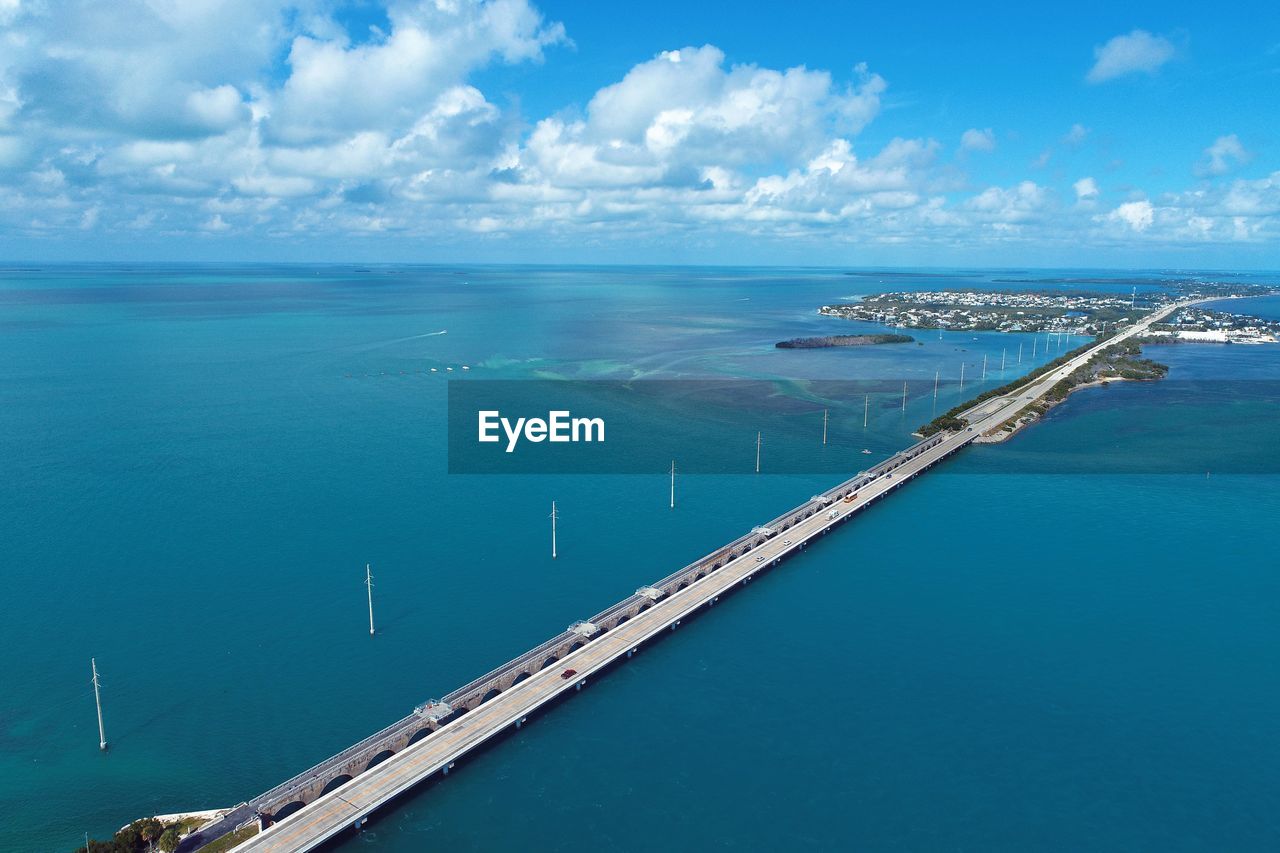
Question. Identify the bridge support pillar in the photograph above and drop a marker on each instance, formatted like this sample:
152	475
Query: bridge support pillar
580	683
520	722
360	822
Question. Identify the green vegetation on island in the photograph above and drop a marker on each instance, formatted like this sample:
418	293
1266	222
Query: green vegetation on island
951	419
1118	361
145	835
843	341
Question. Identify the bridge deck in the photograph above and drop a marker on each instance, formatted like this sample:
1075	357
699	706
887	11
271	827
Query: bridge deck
358	798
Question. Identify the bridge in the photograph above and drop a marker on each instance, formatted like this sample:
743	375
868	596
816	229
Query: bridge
343	790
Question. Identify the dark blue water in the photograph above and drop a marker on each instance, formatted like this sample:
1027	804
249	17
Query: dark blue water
198	462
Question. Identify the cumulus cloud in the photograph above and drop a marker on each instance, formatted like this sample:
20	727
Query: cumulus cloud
335	88
1220	157
1136	215
1136	52
1009	205
1086	189
974	139
270	117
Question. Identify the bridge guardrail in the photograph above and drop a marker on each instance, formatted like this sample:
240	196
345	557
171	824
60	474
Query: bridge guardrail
305	778
520	660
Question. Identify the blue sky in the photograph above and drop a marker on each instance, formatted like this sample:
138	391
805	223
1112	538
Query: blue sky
516	130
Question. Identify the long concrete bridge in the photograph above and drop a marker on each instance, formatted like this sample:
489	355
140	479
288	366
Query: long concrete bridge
343	790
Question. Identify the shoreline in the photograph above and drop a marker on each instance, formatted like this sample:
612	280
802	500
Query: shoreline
999	435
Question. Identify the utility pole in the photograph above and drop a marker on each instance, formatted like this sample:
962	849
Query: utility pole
673	484
1019	353
936	374
1133	299
757	453
824	427
984	368
1035	340
368	583
904	396
97	698
962	376
866	410
553	530
1003	353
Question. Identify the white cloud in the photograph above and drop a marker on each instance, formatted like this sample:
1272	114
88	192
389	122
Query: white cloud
335	88
1222	155
1086	189
268	117
1136	215
216	109
9	11
1076	136
1139	51
974	139
674	118
1020	203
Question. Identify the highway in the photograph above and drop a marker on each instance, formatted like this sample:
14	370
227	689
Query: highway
353	802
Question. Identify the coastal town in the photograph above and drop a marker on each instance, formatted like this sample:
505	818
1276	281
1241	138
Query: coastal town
1202	325
1074	313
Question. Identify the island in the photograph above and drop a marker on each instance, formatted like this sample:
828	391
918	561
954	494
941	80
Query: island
1076	312
843	341
1118	362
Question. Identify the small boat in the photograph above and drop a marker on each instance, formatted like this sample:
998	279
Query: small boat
868	452
450	369
464	367
433	370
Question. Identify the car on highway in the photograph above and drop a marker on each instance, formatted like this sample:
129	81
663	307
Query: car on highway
759	558
786	541
568	673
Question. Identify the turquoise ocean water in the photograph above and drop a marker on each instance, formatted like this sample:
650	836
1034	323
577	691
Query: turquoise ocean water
197	462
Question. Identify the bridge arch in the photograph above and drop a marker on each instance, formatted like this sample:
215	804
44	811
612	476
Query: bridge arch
335	782
576	646
379	758
549	661
420	734
521	677
286	810
493	691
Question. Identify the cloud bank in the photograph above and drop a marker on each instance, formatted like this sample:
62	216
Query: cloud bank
275	121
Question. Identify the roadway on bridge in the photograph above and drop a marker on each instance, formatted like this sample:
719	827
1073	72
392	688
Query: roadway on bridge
364	794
